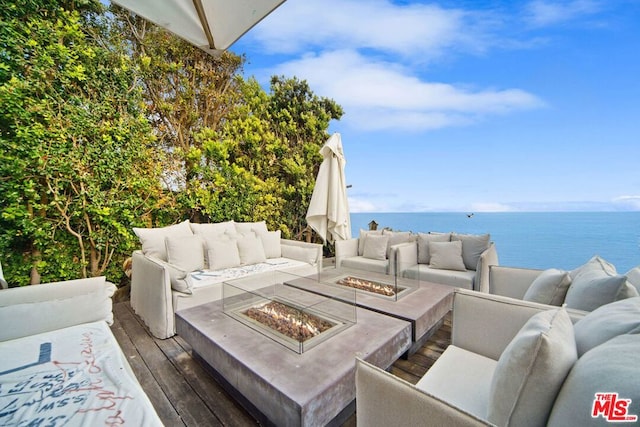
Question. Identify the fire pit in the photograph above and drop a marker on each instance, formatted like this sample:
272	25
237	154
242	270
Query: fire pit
293	317
371	286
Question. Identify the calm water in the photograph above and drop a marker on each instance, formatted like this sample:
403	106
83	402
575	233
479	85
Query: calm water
537	240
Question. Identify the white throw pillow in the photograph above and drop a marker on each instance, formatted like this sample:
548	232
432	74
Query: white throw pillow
152	239
256	227
363	236
633	277
271	244
250	249
375	247
213	229
299	253
185	252
531	370
446	256
223	253
550	287
595	263
423	244
473	245
592	289
606	322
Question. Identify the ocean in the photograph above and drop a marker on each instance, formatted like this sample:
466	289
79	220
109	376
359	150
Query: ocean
563	240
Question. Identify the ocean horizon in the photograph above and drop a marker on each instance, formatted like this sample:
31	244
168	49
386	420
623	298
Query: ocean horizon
563	240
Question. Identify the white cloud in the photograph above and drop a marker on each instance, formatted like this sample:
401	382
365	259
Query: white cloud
543	13
491	207
360	205
628	202
377	94
409	29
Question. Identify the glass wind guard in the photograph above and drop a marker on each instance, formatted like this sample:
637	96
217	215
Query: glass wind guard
298	316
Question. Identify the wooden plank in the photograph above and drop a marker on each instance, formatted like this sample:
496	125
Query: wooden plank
187	403
164	408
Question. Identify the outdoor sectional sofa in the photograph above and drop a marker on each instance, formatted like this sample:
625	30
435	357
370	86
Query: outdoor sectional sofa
513	362
460	260
586	287
185	264
59	361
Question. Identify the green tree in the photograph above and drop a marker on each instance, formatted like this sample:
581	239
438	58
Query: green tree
76	165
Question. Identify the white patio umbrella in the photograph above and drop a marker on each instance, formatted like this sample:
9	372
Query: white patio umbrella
328	212
211	25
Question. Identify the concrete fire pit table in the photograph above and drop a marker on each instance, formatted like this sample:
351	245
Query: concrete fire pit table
283	387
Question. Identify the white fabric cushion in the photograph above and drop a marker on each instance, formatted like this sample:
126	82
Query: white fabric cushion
250	249
152	239
423	244
591	289
595	263
633	277
550	287
271	244
256	227
223	253
606	322
613	367
473	245
185	252
212	229
446	256
180	279
531	370
375	247
363	236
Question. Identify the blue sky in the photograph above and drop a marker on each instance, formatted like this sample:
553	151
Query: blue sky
470	105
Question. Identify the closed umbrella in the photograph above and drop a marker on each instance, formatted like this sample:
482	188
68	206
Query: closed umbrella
211	25
328	212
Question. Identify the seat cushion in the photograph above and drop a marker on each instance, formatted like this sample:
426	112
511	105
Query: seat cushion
550	287
461	378
531	370
424	273
362	263
607	322
607	374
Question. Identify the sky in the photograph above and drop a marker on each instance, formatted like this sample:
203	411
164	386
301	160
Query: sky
474	106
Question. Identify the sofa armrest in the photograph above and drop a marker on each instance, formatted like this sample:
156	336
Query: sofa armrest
485	324
30	310
315	247
345	249
382	399
487	259
511	281
406	256
151	295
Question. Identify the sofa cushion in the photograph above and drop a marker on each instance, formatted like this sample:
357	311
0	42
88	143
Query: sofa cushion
397	237
212	229
473	245
592	288
185	252
606	322
223	253
363	236
424	273
271	243
152	239
362	263
375	247
423	244
550	287
446	256
258	227
299	253
633	277
461	378
250	249
609	374
531	370
595	263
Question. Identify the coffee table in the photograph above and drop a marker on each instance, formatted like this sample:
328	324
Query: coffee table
280	386
423	304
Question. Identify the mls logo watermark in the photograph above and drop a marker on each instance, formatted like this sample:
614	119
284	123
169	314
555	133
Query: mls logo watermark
612	408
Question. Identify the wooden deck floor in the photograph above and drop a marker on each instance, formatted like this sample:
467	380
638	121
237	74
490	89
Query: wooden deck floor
184	394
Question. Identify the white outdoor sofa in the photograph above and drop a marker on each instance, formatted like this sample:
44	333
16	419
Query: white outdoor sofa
518	363
60	363
185	264
586	287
